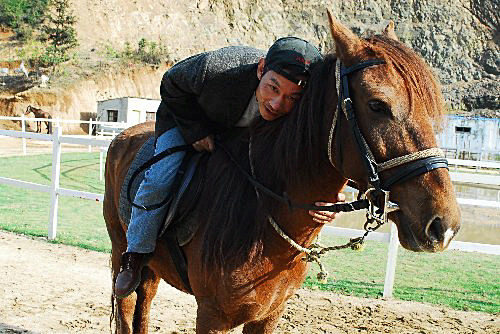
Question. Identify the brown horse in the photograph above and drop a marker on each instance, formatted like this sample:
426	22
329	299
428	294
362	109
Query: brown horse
39	113
240	270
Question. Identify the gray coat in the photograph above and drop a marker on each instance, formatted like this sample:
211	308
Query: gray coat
208	93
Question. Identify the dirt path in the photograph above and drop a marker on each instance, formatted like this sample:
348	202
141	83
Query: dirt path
47	288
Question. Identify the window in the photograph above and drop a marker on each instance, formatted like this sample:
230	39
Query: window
150	116
112	115
462	129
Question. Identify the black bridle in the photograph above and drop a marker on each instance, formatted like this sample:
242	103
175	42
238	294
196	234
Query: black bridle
411	165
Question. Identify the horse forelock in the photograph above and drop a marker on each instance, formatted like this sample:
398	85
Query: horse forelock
419	80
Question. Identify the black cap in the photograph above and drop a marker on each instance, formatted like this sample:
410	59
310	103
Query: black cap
293	58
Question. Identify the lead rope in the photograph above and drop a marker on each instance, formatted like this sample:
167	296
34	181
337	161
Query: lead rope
315	251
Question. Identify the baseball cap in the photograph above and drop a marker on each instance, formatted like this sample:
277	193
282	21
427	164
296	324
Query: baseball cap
293	58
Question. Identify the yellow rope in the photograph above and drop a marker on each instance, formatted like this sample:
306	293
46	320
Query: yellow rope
431	152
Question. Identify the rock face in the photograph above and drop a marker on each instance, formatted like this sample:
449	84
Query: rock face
458	38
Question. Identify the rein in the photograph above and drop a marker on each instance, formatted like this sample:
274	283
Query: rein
415	164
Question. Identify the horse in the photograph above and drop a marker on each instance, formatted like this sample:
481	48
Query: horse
240	270
39	113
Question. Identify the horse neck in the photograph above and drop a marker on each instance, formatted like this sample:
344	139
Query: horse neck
297	223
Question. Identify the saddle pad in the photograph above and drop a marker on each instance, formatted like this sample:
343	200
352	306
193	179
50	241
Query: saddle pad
187	226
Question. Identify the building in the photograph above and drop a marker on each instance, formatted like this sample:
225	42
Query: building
129	110
476	138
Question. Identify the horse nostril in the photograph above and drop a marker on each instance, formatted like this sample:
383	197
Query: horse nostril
435	230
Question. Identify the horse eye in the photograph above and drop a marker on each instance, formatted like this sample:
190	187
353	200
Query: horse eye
379	106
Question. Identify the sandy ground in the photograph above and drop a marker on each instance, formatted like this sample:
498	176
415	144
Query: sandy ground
48	288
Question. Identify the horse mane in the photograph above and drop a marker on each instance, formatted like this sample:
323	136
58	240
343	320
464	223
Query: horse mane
235	218
418	77
287	153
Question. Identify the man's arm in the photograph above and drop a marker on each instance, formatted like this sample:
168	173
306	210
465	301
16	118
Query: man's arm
179	89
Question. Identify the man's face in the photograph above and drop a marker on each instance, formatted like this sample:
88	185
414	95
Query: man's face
276	95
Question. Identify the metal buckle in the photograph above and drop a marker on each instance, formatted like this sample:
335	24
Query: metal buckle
377	215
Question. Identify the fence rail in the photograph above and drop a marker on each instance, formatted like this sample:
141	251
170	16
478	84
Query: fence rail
55	191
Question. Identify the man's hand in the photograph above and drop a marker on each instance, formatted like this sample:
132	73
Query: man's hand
325	217
205	144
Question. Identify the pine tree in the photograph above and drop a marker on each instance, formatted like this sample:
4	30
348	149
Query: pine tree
59	32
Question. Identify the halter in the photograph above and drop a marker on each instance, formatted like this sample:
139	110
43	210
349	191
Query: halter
413	164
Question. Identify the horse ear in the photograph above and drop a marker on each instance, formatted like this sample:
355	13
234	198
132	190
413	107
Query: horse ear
389	31
347	43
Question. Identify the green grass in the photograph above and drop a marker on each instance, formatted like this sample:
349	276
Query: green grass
80	222
460	280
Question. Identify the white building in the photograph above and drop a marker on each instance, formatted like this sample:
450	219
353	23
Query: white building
475	138
129	110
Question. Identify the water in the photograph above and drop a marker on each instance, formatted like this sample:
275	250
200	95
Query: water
479	224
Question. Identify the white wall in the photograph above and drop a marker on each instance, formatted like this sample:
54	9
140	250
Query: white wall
483	137
126	106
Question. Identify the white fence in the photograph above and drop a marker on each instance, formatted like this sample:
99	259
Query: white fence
55	191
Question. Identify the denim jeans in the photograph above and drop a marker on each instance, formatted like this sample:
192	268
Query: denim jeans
144	225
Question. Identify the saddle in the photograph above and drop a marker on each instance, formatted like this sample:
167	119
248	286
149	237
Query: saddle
180	223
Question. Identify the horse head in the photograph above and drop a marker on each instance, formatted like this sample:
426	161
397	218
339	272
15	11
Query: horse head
28	110
397	105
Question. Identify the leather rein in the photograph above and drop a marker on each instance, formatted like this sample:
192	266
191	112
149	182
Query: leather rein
413	164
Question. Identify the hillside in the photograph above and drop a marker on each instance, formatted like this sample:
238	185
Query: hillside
459	39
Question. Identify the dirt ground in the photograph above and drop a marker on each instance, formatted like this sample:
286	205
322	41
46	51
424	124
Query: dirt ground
49	288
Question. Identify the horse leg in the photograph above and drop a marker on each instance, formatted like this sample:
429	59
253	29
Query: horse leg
265	326
209	320
38	127
125	307
145	294
125	314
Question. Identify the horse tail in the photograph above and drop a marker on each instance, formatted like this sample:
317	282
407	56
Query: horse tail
113	300
112	315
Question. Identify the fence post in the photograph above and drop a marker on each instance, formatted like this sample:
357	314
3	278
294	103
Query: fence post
90	134
23	129
391	261
56	172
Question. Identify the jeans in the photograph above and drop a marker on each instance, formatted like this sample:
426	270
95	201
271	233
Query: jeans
145	225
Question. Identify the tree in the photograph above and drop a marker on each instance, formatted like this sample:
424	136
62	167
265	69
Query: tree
23	16
59	32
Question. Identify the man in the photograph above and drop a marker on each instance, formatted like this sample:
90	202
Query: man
204	95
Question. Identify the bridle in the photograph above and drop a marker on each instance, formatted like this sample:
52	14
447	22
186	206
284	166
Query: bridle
410	165
376	198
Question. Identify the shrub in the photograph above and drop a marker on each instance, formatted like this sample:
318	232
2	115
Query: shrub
59	32
19	14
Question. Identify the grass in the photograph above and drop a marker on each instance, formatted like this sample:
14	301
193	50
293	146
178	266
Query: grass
460	280
80	222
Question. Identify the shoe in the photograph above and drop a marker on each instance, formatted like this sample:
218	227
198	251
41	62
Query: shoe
129	277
